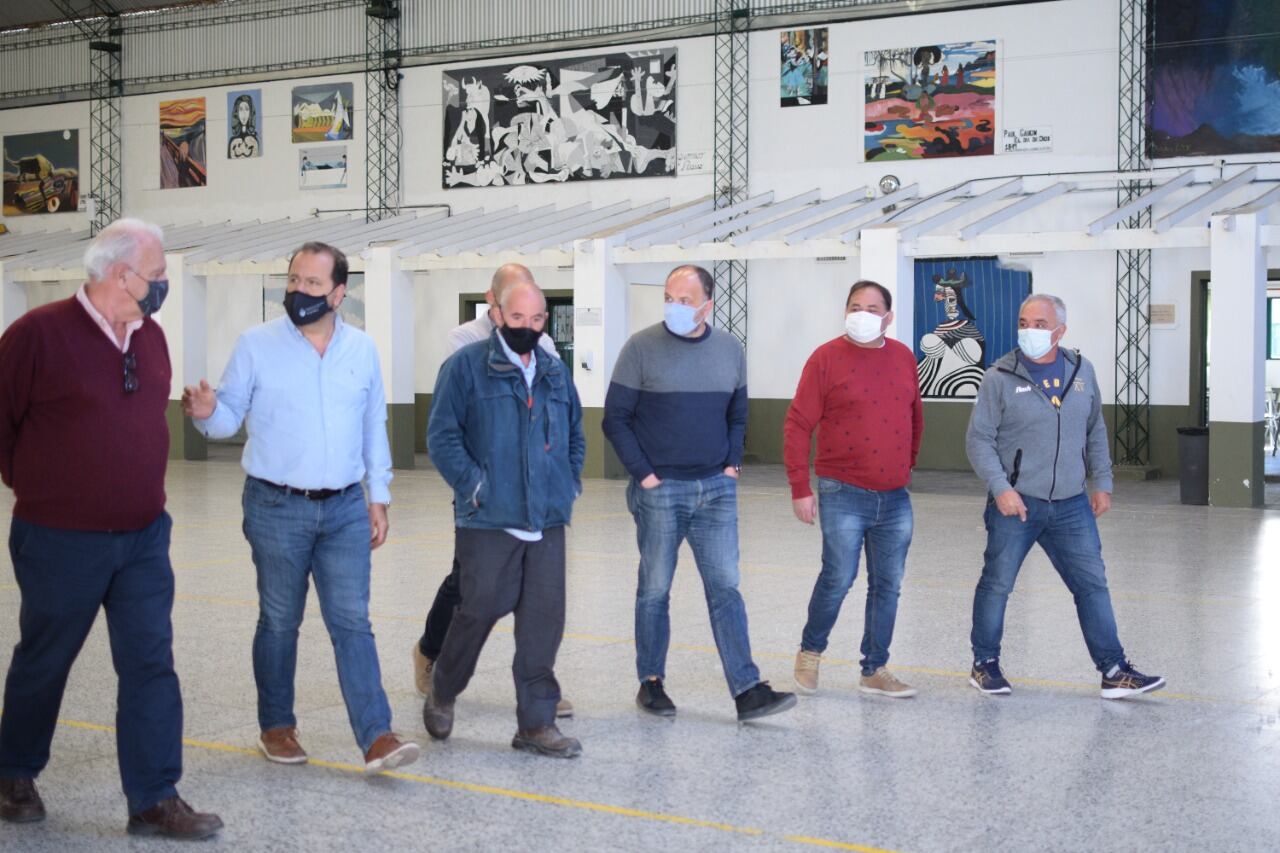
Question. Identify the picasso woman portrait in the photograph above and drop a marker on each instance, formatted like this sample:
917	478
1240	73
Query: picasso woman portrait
242	134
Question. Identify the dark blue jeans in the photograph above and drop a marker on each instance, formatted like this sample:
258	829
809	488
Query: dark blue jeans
1068	533
294	539
852	517
705	512
65	576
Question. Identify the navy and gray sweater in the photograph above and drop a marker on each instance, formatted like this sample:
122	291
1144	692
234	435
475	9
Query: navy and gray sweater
677	406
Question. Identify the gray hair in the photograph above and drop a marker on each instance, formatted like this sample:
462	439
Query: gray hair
1059	307
117	243
514	286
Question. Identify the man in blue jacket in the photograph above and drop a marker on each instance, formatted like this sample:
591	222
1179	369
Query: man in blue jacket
1035	436
506	433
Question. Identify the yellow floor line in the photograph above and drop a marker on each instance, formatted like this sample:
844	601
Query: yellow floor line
514	794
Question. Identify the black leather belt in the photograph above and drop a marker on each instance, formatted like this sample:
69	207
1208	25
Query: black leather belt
309	494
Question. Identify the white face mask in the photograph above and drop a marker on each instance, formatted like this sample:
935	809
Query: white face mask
1034	343
863	326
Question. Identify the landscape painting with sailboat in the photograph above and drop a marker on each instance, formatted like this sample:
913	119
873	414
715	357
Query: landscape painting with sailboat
322	113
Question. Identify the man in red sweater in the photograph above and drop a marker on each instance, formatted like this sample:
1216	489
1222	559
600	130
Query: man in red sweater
861	394
89	528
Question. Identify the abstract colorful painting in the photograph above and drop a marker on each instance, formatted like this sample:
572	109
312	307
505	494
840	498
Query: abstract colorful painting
322	113
322	168
579	119
42	172
929	101
182	144
244	123
803	74
966	318
1215	77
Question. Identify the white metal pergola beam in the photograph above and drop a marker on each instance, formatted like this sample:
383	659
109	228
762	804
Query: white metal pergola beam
716	215
509	226
563	240
673	217
558	226
923	226
1102	223
426	243
748	219
1011	210
492	241
853	214
234	246
773	226
1202	201
1259	205
12	245
384	231
329	231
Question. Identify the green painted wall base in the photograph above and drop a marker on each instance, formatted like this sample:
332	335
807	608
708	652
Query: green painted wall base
185	441
1236	464
601	460
400	433
421	411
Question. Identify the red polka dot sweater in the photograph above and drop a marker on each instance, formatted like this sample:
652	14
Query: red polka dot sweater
865	405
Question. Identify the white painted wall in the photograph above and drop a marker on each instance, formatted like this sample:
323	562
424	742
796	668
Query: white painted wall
1057	66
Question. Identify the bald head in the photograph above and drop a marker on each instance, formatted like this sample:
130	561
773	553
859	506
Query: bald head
505	276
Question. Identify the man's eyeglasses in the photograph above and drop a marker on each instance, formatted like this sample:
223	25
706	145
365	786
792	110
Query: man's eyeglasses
130	373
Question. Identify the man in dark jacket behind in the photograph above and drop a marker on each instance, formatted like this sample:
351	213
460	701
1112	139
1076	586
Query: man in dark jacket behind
506	433
1035	436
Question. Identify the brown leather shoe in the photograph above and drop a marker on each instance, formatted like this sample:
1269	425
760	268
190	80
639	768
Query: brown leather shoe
437	717
281	746
389	752
173	818
564	709
547	741
20	801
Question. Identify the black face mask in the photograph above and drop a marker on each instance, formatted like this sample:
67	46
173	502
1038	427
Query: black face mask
521	341
304	309
156	292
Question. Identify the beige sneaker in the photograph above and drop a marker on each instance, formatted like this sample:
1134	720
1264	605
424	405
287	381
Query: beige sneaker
421	670
807	671
281	746
564	709
884	683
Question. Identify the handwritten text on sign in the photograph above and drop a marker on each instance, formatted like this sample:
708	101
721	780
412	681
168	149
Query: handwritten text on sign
1015	140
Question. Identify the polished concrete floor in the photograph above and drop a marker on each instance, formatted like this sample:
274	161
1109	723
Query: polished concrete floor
1052	767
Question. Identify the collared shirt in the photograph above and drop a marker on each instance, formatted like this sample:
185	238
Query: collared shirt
528	371
313	422
82	296
479	329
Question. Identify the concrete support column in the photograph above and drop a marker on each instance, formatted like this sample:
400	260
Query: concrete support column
883	261
13	297
599	331
388	318
184	320
1238	282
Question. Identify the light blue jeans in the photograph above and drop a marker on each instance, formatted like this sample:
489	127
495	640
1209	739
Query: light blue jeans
705	512
852	518
294	539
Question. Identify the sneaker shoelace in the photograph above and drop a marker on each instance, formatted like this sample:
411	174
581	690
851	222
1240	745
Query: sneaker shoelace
807	661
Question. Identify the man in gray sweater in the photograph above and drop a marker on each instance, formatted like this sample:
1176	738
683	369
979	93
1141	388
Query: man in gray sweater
1035	436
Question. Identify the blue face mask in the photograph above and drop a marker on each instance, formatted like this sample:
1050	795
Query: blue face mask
1035	343
679	318
156	292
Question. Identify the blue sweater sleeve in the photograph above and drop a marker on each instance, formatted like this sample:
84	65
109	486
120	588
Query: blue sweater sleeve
737	425
619	415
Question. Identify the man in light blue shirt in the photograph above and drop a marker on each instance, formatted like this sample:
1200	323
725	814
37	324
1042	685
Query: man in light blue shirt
308	388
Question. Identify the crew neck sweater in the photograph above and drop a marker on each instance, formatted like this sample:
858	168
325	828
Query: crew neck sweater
79	452
677	406
865	405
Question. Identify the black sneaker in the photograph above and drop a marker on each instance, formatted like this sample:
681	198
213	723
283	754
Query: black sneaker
1125	681
761	701
654	699
987	677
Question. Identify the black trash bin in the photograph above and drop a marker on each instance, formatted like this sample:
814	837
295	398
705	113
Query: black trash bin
1193	465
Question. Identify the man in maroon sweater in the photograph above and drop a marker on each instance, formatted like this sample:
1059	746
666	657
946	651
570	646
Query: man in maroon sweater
861	394
89	528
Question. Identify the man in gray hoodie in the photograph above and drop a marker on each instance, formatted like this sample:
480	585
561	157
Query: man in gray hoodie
1035	435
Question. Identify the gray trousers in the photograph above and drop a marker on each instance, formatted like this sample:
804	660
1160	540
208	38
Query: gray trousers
500	574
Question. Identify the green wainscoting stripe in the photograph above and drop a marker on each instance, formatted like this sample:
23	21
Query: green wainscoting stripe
421	411
401	423
764	430
1235	464
185	441
601	460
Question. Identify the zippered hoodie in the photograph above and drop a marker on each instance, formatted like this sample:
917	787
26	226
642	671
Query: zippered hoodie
1017	438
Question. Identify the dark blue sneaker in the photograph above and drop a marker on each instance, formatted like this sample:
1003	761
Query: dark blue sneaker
654	699
761	701
987	677
1125	681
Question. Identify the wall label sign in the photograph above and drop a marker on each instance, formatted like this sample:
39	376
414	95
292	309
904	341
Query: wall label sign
1016	140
